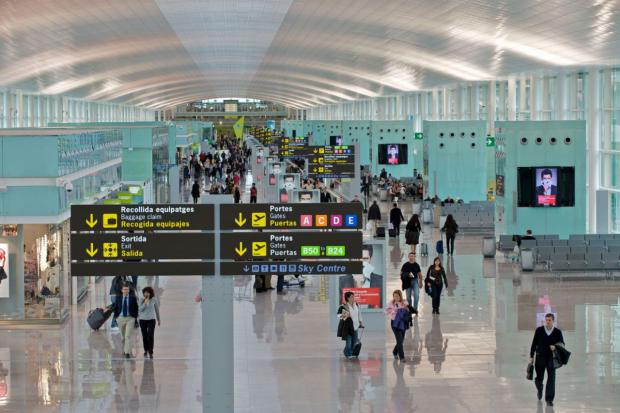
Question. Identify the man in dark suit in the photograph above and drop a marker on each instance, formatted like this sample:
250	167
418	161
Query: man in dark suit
126	314
546	188
396	217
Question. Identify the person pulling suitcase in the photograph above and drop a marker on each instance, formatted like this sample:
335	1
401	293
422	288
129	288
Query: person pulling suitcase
350	324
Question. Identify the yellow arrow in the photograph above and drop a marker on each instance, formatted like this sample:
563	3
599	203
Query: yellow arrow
91	221
240	250
240	221
92	251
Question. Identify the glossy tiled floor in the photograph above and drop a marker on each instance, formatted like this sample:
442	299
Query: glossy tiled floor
470	359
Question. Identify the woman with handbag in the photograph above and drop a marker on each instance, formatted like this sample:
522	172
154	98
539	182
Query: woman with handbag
435	280
350	309
412	232
398	311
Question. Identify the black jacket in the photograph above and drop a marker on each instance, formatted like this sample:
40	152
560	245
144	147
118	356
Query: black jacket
542	342
451	229
133	306
413	226
345	328
374	212
396	216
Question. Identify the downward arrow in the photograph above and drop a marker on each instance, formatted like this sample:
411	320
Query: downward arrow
240	250
240	220
246	268
91	221
92	250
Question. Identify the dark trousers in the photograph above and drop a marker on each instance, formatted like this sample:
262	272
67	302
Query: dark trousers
252	199
396	228
148	335
280	284
436	293
398	348
195	200
450	243
541	365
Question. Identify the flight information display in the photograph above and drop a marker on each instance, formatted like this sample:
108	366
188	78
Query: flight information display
331	161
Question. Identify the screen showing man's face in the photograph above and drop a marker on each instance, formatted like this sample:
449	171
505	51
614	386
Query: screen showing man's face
289	182
276	168
393	155
305	197
546	181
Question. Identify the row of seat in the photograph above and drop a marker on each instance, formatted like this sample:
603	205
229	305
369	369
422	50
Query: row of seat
507	244
546	254
608	262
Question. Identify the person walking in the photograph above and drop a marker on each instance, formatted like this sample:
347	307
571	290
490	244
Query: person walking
398	311
435	280
352	310
412	232
396	217
411	279
126	313
237	194
196	191
451	229
148	313
546	337
253	194
374	216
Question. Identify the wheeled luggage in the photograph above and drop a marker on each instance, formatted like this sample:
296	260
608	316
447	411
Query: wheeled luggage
424	249
357	347
439	247
380	232
97	317
392	232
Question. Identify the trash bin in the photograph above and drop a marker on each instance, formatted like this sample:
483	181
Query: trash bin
427	216
488	247
527	259
383	195
416	208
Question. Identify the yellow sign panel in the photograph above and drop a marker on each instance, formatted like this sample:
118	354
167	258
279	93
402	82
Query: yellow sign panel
110	249
110	221
259	219
259	249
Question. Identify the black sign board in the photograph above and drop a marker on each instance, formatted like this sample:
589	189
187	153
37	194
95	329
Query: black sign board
291	245
294	147
291	216
289	267
159	217
331	161
136	246
82	269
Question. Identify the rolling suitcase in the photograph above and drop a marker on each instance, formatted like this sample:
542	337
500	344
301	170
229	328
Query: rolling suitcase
439	247
380	232
358	344
424	249
392	231
97	317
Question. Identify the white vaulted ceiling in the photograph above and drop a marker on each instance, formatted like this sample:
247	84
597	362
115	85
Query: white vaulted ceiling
302	53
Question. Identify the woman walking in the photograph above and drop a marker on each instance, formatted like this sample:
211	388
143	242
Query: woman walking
196	191
435	280
412	232
398	311
451	229
148	313
237	194
350	323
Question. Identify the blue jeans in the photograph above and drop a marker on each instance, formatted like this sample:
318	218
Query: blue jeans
415	288
350	343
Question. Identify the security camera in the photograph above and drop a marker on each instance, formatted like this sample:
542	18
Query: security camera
68	186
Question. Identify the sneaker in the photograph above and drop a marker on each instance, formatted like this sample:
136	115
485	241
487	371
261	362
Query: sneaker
549	403
114	329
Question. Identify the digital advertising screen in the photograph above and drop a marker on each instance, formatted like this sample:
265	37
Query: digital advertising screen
335	140
546	186
367	286
4	270
392	154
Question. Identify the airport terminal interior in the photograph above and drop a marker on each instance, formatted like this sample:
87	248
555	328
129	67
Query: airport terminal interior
310	206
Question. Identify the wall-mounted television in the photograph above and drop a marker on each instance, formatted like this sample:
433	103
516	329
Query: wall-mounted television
335	140
392	154
546	186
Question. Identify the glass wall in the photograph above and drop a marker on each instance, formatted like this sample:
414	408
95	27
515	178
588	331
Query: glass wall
592	95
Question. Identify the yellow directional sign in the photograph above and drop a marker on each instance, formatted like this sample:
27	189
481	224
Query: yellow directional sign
110	221
240	250
92	251
259	249
110	249
240	220
259	219
91	221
